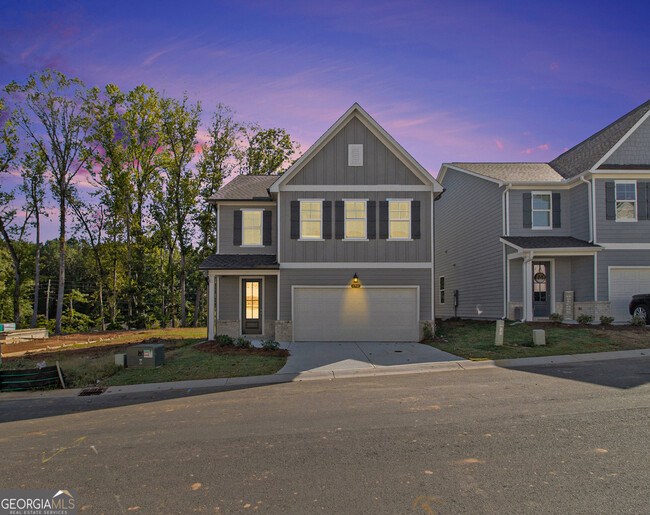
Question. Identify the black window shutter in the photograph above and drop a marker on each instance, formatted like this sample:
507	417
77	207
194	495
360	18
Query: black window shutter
383	220
610	201
415	219
295	219
528	210
557	213
339	223
327	219
236	232
267	228
371	219
642	200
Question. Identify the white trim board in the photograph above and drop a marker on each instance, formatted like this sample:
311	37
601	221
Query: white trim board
425	264
357	187
625	246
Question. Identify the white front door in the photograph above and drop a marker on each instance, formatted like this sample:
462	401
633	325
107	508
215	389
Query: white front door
355	314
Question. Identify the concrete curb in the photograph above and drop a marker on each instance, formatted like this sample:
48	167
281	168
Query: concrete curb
443	366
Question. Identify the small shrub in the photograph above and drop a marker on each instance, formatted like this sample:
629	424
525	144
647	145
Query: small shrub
638	321
584	319
224	340
556	317
427	331
270	344
243	343
605	320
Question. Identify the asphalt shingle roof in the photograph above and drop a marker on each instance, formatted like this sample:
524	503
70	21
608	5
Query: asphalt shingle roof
246	187
512	171
586	154
548	242
240	262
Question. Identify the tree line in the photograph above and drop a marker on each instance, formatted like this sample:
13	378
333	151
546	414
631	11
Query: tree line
128	177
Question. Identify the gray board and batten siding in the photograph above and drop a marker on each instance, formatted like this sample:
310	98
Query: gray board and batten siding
635	150
226	229
468	251
335	250
368	277
330	164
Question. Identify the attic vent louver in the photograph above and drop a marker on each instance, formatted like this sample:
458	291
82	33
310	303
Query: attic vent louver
355	154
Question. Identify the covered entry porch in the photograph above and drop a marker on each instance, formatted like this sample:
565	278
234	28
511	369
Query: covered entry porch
546	275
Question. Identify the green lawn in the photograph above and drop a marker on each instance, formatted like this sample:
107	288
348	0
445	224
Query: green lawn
475	339
85	365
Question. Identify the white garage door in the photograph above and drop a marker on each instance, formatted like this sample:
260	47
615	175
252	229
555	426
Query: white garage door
355	314
623	283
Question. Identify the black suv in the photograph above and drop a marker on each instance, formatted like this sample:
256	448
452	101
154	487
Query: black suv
640	306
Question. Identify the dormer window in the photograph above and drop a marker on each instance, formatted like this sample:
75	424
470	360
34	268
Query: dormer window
542	210
355	154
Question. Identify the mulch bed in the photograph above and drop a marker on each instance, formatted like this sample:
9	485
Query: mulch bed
212	347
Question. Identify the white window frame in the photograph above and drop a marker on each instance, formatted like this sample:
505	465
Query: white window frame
441	289
312	200
410	219
345	219
549	210
635	201
351	147
243	228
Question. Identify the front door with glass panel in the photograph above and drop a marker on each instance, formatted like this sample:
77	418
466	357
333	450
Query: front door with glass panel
541	289
251	308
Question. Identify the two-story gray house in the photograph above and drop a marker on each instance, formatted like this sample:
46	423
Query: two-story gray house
338	248
524	240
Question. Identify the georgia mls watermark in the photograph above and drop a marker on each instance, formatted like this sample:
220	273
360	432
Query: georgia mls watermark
38	502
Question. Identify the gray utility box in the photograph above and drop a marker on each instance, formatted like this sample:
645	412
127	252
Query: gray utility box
145	355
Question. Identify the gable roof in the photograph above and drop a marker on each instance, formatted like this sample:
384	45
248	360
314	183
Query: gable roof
511	172
357	111
246	187
584	156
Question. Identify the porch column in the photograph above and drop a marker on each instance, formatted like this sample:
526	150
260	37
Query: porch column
528	288
210	306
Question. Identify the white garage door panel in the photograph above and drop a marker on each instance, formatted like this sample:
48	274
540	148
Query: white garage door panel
355	314
623	283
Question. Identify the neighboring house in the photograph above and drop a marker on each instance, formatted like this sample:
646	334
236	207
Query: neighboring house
338	248
524	240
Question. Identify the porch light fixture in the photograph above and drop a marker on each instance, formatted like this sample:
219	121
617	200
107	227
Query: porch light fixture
355	281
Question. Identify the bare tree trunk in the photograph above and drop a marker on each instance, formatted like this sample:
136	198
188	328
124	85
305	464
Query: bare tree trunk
163	307
182	280
37	271
114	306
59	300
101	306
172	306
197	304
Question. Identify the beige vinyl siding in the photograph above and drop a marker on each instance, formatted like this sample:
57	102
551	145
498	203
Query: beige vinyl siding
468	251
350	251
368	277
635	150
611	231
517	210
330	164
226	226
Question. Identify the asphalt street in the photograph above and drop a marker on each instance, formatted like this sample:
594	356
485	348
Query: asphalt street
571	438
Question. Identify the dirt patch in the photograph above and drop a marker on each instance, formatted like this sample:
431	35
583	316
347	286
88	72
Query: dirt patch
102	338
213	347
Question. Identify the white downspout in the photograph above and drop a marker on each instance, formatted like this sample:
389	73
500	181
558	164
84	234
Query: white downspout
591	214
505	210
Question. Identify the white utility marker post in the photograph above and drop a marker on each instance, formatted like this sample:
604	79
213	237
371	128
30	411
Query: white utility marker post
498	337
539	337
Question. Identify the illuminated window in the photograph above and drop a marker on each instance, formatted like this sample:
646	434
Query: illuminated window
626	201
311	220
541	210
252	300
399	219
252	227
355	219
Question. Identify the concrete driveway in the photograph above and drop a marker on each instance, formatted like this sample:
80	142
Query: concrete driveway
337	356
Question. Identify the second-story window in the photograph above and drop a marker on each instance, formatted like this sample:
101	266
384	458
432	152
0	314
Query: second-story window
252	227
399	219
355	219
311	216
626	201
542	210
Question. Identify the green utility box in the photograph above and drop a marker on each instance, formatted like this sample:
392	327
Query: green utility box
145	355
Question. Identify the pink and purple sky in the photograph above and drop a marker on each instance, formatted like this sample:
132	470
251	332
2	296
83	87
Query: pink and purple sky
450	80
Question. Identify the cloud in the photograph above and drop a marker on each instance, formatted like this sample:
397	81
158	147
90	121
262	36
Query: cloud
545	146
499	144
554	67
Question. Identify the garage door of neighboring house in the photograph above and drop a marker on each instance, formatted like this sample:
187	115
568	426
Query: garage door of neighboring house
623	283
355	314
